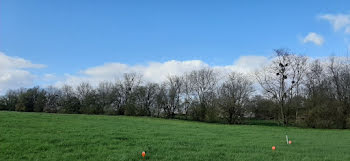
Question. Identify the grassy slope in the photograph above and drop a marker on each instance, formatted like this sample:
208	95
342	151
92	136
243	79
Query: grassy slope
40	136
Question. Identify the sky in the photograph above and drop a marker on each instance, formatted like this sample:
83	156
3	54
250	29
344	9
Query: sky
65	42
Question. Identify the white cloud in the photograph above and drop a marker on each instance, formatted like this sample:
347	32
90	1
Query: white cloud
14	73
338	21
313	38
8	62
157	71
49	77
245	64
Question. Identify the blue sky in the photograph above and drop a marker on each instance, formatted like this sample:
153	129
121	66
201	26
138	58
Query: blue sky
69	37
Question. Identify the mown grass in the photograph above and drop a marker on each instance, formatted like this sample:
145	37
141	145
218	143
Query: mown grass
62	137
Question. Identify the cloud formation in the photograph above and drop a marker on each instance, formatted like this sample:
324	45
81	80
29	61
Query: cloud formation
313	38
340	22
157	71
14	72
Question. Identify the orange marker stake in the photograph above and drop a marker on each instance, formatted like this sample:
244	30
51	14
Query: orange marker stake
273	148
290	142
143	155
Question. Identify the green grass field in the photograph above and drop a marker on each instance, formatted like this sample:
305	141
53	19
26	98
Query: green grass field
62	137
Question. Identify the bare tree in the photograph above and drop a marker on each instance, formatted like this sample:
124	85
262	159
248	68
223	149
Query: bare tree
104	91
84	89
67	91
188	93
340	74
282	78
320	103
298	73
117	98
53	96
130	82
69	102
161	100
145	98
11	99
173	85
203	83
88	99
234	94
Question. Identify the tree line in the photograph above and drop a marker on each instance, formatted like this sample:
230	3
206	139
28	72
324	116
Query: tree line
291	89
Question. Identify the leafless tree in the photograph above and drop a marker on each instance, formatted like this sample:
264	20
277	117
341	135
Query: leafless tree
203	83
88	99
53	95
67	91
84	89
161	100
188	93
11	98
233	96
282	78
340	74
69	101
145	98
130	82
104	92
173	85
